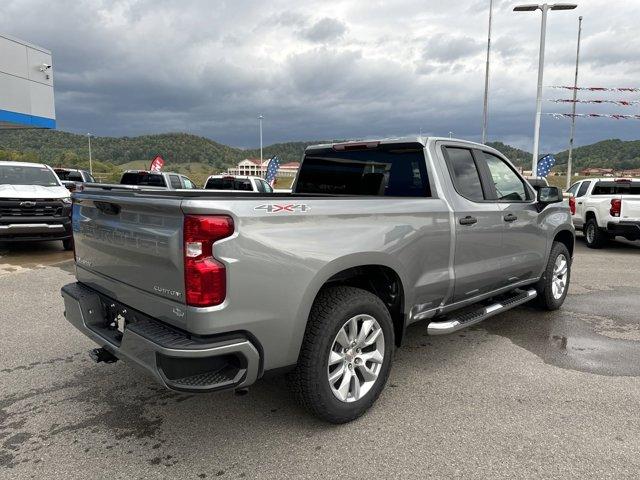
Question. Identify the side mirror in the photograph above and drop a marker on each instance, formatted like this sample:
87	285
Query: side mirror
547	195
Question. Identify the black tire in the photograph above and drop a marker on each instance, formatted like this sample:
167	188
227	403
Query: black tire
544	287
67	244
594	236
333	307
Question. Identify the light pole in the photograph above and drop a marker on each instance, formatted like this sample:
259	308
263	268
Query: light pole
260	118
486	78
573	108
90	162
544	8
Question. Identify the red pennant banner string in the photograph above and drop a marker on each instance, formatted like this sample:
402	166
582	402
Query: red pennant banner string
598	89
594	115
622	103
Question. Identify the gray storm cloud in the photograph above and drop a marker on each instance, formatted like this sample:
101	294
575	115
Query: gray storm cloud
343	69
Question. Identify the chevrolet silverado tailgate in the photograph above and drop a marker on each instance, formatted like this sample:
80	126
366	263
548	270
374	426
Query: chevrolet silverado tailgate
126	245
630	207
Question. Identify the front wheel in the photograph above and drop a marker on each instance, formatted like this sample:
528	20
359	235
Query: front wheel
346	354
553	286
67	244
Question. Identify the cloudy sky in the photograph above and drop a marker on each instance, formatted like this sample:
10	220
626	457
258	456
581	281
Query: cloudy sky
326	69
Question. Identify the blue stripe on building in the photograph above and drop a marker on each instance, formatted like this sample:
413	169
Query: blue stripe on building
27	120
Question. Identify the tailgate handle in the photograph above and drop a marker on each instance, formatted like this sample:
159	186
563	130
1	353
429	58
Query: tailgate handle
108	208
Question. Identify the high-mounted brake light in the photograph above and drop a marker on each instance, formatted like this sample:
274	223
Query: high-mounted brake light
616	207
205	277
355	146
572	205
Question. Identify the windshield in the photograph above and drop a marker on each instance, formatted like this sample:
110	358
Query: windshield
23	175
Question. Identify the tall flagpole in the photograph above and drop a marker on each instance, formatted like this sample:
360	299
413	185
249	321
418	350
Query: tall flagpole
573	108
486	78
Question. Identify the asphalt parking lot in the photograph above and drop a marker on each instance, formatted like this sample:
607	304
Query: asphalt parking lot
524	395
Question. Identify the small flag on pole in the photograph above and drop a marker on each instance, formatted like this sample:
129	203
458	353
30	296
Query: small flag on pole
545	164
156	164
272	170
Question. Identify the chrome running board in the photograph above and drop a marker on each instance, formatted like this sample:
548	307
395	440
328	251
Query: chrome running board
471	318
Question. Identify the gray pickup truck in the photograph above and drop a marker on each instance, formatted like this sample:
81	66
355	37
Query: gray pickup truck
210	290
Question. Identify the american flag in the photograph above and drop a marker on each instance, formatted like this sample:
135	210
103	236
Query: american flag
545	164
272	170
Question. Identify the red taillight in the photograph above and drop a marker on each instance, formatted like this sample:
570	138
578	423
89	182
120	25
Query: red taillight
616	207
572	204
205	278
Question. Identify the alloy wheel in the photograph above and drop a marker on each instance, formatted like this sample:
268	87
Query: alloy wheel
356	358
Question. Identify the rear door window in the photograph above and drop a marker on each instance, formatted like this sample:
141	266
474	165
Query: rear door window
464	173
175	182
392	170
583	189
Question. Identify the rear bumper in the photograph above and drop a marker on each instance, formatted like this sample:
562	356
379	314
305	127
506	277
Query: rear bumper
630	230
177	360
35	229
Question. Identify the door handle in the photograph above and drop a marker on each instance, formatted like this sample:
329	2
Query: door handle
510	217
468	220
579	203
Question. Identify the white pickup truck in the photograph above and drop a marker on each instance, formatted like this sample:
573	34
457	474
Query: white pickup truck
606	208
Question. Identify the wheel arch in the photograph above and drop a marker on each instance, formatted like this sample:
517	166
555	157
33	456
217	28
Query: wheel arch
371	272
566	237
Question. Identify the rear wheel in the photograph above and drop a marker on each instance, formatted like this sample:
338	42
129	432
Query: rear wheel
346	354
594	236
554	284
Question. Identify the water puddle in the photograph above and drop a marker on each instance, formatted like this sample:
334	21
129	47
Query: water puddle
589	334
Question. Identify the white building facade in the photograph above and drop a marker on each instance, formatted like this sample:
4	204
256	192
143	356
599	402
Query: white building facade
253	167
26	85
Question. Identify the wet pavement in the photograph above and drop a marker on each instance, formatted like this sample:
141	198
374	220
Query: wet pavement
17	257
526	394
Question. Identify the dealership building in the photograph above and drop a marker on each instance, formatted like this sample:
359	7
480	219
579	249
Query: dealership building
26	85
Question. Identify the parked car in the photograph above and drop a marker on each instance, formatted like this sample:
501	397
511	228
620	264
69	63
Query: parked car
212	290
34	205
73	178
237	184
163	180
606	208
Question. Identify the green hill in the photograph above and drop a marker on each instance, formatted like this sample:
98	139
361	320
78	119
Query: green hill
612	153
190	153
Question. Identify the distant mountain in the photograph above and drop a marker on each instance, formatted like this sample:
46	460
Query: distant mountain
57	147
613	153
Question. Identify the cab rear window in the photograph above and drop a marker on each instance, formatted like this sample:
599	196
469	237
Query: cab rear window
143	178
616	188
393	170
229	183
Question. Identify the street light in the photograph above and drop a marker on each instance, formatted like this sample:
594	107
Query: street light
544	8
90	162
260	118
486	78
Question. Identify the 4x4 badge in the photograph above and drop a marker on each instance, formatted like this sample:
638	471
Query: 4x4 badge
286	208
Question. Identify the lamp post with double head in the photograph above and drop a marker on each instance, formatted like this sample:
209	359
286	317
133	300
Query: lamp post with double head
544	8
